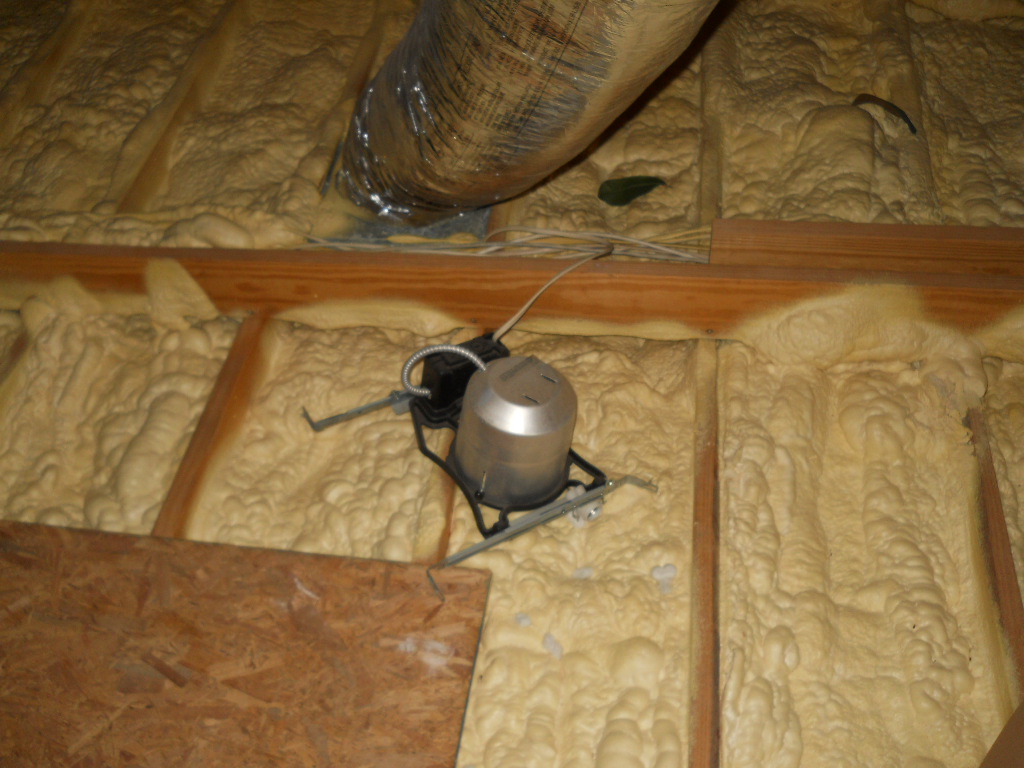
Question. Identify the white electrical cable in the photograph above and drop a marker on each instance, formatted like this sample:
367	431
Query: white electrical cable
477	360
525	308
601	238
689	246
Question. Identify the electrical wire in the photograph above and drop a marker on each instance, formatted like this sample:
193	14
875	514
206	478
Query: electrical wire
510	323
687	246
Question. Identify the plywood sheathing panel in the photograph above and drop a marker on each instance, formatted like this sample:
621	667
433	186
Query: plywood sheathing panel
117	649
486	291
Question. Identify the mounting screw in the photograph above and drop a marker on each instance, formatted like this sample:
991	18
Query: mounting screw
583	515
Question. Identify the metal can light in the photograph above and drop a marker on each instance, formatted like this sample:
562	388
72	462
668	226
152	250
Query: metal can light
515	433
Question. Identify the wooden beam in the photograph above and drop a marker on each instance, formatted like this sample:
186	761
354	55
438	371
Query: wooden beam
119	649
705	726
10	358
226	405
1009	745
450	495
872	247
487	291
995	541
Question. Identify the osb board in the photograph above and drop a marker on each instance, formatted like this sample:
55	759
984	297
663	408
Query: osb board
122	650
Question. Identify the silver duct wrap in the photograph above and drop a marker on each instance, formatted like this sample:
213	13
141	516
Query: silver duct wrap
484	98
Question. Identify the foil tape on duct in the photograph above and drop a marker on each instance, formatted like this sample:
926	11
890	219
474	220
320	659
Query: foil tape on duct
482	100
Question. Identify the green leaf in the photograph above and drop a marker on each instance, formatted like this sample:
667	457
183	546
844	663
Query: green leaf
627	189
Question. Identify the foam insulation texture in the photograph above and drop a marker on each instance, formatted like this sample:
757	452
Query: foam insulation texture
757	120
98	409
215	122
854	622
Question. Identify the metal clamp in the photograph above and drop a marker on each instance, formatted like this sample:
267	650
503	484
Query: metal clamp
399	401
536	518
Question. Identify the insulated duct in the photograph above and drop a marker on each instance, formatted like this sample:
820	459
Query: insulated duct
482	99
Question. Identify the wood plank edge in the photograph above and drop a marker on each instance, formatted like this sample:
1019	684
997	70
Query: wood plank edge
871	247
9	361
449	494
450	497
997	554
227	401
486	290
1009	745
42	261
705	706
752	229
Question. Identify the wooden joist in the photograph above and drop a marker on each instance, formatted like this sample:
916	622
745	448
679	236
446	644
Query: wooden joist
120	649
1009	746
998	558
705	709
225	406
9	358
966	277
711	298
870	247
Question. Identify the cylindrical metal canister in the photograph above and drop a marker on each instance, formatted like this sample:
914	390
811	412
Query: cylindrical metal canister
515	432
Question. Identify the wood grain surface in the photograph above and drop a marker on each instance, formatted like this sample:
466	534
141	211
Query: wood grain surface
966	276
225	406
122	650
705	726
1002	575
1008	749
486	291
10	357
871	247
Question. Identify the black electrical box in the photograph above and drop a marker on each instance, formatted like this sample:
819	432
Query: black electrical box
447	374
